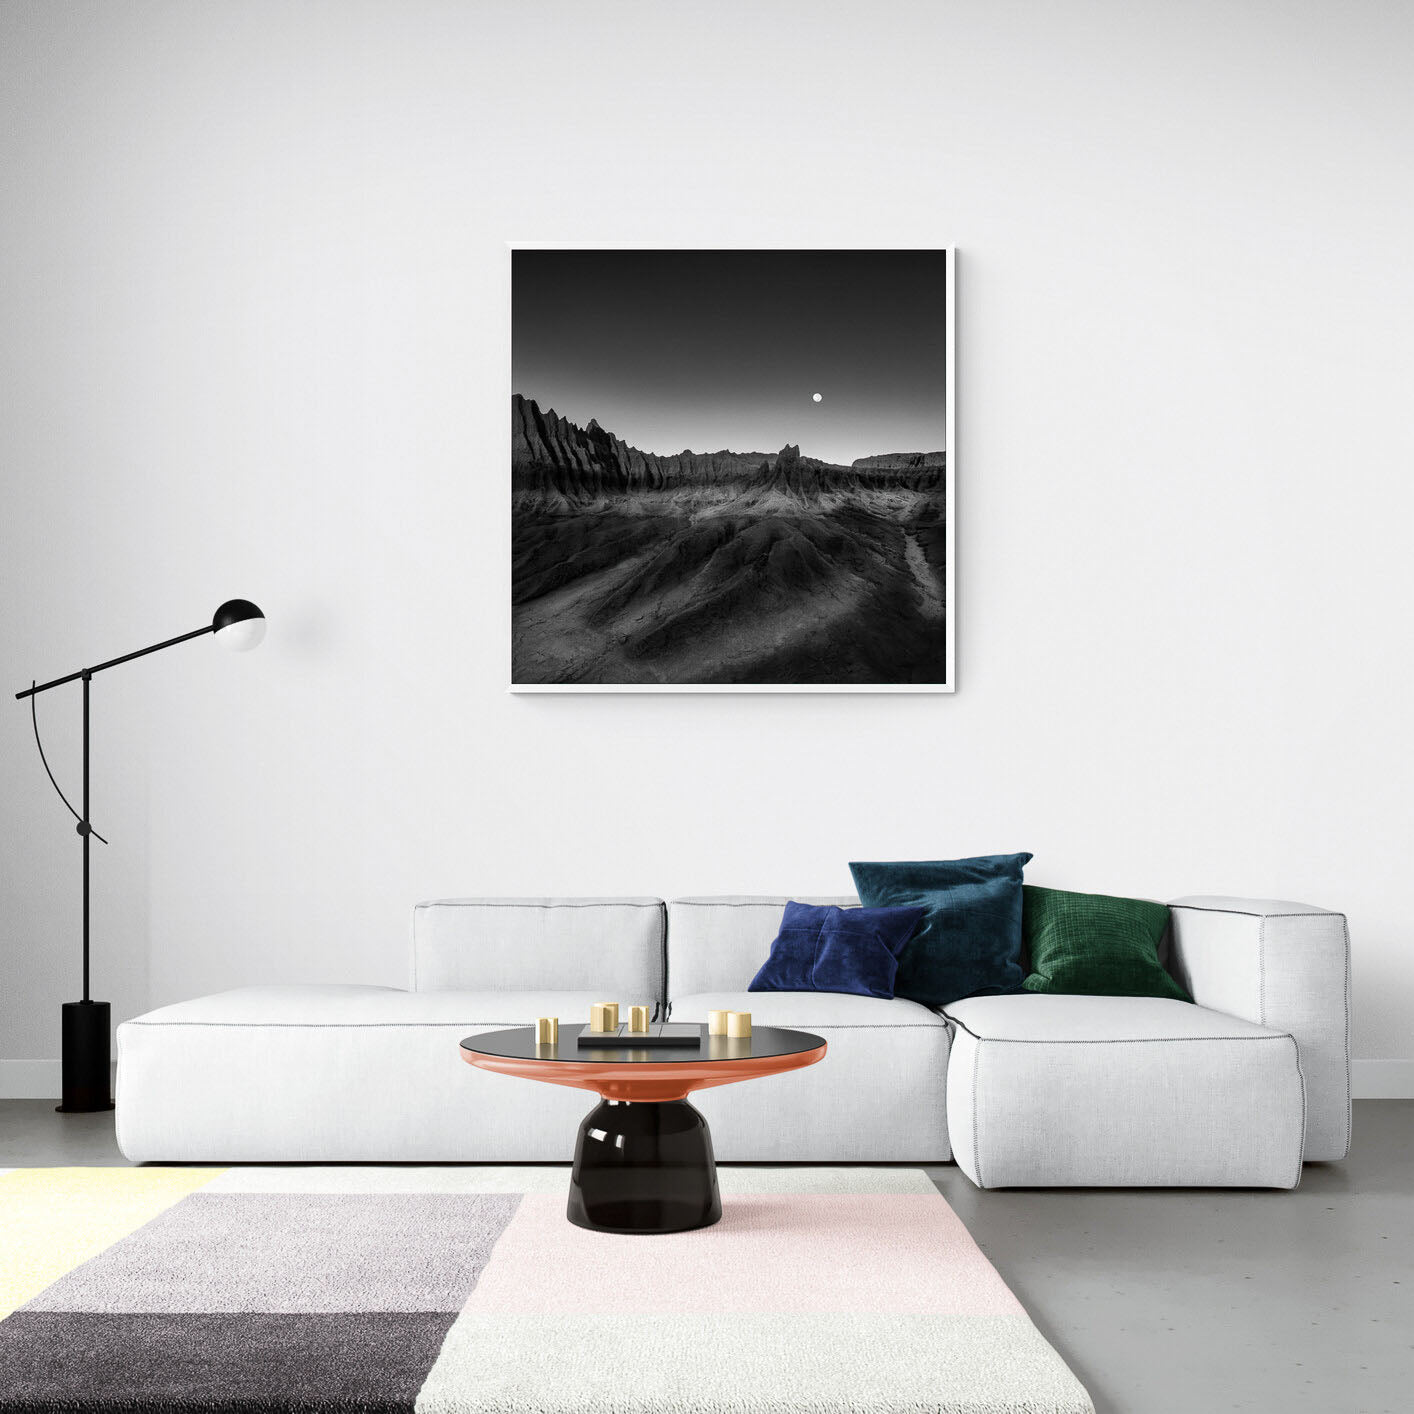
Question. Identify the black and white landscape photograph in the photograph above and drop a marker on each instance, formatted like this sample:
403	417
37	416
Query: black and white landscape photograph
730	470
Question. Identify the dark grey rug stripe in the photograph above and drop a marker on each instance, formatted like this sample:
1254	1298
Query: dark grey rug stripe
59	1362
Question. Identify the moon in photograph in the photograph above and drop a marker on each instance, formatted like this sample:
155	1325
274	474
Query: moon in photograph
814	397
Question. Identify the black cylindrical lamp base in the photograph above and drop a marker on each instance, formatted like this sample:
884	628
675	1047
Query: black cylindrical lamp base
88	1057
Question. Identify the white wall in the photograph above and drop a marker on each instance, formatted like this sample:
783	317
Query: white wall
254	331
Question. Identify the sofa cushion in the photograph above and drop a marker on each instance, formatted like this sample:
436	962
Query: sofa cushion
1095	945
1028	1016
970	941
1051	1091
808	1009
821	948
719	944
338	1074
612	946
879	1095
338	1005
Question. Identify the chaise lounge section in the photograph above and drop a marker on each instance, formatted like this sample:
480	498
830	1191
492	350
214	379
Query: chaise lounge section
1236	1090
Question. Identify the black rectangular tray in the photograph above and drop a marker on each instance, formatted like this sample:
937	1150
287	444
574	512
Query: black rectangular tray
661	1033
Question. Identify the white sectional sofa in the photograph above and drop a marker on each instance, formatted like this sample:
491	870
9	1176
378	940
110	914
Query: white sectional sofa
1026	1090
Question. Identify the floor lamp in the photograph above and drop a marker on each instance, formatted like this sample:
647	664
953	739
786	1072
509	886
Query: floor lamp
86	1028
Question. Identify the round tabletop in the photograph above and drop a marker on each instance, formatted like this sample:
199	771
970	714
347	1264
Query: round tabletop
643	1072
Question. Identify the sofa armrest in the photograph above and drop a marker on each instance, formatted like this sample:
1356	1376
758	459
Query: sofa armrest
1283	965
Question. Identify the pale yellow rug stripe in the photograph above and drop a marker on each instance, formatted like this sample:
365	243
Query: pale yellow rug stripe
51	1220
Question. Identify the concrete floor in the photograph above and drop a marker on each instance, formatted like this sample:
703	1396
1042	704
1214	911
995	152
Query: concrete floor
1163	1301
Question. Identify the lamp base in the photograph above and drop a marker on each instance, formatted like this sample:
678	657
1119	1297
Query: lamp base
86	1032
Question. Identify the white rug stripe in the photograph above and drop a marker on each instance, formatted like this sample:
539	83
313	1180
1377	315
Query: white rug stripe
732	1364
548	1179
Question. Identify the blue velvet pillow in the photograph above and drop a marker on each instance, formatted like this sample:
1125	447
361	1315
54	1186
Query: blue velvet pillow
828	949
969	944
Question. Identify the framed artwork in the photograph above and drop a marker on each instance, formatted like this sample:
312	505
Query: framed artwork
732	470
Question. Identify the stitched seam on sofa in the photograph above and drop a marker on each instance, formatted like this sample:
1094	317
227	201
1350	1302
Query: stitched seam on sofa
491	903
330	1025
1091	1040
1345	932
1301	1080
1262	972
1248	913
1119	1040
941	1082
823	1025
714	903
432	1025
763	903
662	998
862	1025
976	1136
1107	1040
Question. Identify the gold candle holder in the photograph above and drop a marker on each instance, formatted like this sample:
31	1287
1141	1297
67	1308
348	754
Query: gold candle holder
717	1023
547	1031
638	1018
739	1024
612	1014
599	1017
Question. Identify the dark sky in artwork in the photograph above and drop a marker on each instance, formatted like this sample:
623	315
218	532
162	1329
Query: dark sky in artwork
713	350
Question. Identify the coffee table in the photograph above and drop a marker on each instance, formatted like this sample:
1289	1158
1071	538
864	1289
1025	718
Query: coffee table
643	1161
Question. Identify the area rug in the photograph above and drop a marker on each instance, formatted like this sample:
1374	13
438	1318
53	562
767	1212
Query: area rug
465	1291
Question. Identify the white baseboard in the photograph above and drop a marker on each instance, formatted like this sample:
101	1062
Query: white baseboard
29	1079
1369	1079
33	1079
1382	1079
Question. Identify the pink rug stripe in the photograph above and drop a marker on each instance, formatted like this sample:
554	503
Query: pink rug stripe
898	1254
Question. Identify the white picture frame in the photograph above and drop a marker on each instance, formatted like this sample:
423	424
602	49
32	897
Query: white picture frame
526	684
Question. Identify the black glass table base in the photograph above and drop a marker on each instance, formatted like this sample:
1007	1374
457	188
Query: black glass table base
644	1167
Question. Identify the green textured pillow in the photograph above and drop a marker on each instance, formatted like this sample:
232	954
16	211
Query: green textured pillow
1094	945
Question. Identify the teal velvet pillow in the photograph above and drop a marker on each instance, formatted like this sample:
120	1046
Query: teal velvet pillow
969	942
1095	945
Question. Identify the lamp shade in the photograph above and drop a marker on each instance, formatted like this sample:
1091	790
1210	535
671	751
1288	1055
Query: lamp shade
238	625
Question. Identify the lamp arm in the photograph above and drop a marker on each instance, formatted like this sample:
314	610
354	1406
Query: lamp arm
34	719
33	691
113	662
